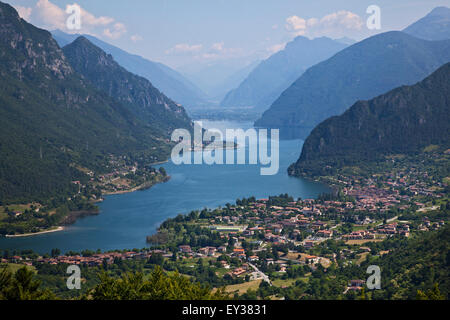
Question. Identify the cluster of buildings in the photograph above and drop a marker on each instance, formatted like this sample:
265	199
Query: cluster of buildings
91	260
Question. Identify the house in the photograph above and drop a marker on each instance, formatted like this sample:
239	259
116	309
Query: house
239	252
238	271
308	244
357	284
185	249
310	259
325	233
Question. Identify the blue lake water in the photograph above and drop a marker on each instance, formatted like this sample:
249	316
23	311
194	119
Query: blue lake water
125	220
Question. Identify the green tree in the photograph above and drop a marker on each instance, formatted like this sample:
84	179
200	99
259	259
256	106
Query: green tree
22	286
159	286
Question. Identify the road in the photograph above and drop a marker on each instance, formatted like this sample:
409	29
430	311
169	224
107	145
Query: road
262	274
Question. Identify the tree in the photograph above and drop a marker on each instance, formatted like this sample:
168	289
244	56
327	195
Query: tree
159	286
162	171
431	294
156	258
21	286
55	252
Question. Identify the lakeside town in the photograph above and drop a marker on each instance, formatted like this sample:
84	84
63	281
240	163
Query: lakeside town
122	175
281	240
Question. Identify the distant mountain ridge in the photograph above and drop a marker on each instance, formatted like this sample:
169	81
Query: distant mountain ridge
434	26
168	81
359	72
404	120
217	79
272	76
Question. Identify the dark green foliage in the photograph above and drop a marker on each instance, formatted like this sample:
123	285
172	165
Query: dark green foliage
53	120
21	286
419	264
159	286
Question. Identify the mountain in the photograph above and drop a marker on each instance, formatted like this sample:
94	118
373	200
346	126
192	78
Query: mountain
54	122
404	120
272	76
234	80
434	26
359	72
144	100
346	40
217	78
167	80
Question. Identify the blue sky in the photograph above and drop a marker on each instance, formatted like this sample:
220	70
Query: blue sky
180	33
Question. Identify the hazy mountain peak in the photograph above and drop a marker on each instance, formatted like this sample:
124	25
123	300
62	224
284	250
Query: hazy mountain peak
359	72
273	75
440	11
167	80
434	26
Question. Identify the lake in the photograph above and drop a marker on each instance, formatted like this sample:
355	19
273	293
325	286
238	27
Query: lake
125	220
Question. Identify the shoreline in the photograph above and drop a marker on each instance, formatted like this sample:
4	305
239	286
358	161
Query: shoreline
75	215
137	188
35	233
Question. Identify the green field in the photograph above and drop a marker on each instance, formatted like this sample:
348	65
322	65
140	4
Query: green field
13	267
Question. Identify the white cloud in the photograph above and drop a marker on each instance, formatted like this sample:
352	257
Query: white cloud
136	38
91	20
24	12
336	24
116	31
209	56
346	19
48	15
219	46
185	48
296	25
275	48
212	52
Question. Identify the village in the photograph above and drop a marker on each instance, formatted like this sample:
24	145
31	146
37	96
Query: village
281	240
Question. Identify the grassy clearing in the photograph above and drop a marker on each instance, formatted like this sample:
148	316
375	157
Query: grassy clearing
242	288
352	242
362	258
283	283
13	267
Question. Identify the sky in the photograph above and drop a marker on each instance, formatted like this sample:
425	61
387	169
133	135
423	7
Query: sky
189	34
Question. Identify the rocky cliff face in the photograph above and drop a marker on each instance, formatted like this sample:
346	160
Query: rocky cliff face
138	93
37	49
53	120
